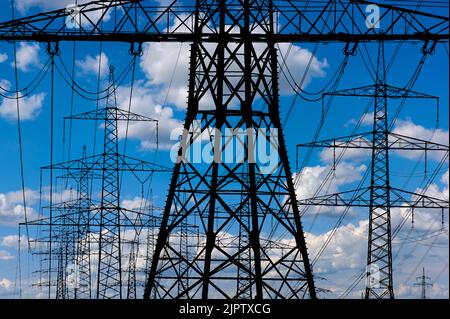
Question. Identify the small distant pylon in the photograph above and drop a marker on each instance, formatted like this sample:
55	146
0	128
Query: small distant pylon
380	197
84	226
111	162
423	284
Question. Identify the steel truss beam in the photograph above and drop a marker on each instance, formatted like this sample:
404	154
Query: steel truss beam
224	35
396	141
135	22
360	198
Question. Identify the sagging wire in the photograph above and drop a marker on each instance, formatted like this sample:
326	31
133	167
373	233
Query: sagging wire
347	52
30	88
302	82
19	133
325	111
52	51
98	101
135	53
100	94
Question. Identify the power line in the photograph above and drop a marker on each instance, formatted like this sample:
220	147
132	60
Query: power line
19	131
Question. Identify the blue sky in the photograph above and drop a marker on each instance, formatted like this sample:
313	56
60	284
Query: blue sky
160	92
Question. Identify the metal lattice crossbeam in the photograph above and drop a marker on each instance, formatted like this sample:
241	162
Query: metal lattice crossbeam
396	141
295	22
360	198
229	73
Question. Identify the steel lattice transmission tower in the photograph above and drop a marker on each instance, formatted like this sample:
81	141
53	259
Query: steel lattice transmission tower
233	84
380	196
85	227
111	162
232	87
64	236
423	283
380	240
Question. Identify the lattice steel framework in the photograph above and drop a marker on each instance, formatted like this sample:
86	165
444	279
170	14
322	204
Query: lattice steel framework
423	283
233	83
109	278
232	78
84	228
380	196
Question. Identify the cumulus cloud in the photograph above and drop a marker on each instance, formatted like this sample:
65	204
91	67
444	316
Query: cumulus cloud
344	259
11	208
351	154
297	61
166	66
3	57
346	250
30	107
409	128
28	56
313	176
367	120
402	127
12	241
6	283
310	183
145	103
90	65
4	255
160	67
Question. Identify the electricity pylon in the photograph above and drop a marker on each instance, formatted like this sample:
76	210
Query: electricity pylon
233	83
380	196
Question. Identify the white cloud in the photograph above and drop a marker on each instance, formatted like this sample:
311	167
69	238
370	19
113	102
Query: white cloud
297	62
5	84
160	67
90	65
27	56
12	241
159	63
4	255
11	207
345	256
408	128
313	176
144	103
351	154
367	119
346	250
402	127
445	178
6	283
30	107
3	57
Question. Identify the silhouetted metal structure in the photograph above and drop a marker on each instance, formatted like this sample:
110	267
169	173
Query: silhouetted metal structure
233	84
423	283
84	228
380	196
